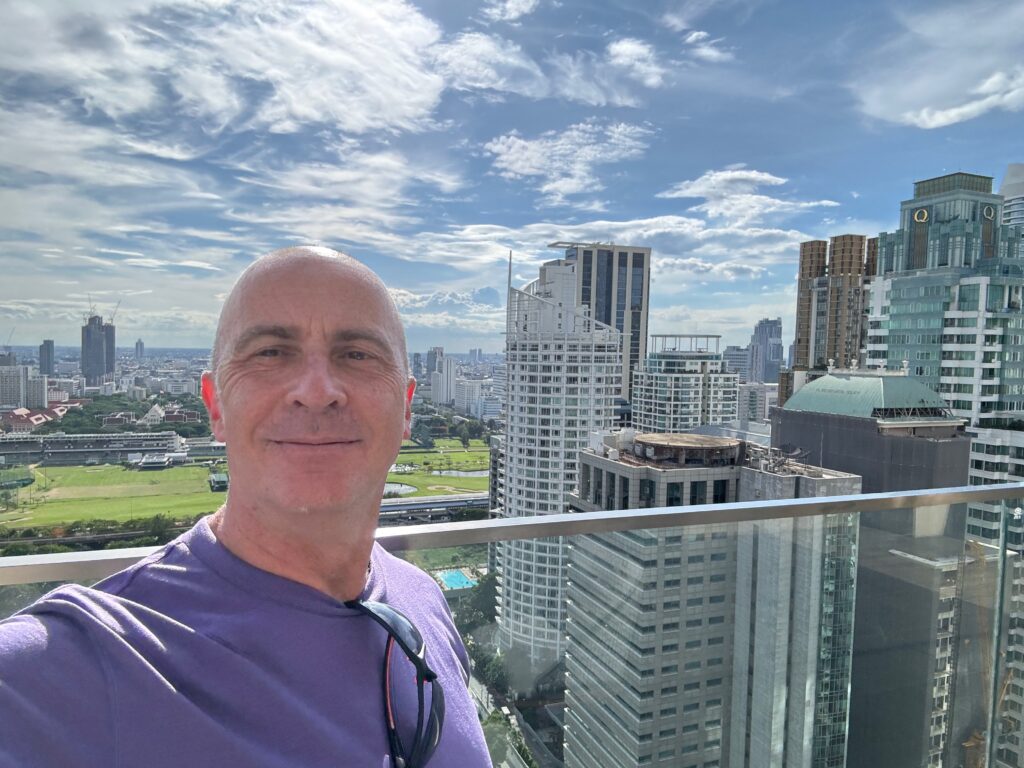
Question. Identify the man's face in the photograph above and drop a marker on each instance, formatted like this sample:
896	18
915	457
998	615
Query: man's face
312	396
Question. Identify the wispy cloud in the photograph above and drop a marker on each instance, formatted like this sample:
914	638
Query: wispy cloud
565	162
730	194
476	61
509	10
926	77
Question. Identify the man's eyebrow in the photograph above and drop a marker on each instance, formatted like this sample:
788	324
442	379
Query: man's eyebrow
285	332
360	334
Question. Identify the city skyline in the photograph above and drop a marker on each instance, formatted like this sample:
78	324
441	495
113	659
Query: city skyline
141	168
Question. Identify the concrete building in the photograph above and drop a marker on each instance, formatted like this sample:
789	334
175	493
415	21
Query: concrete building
46	359
755	401
737	360
613	283
98	350
946	306
140	350
681	384
766	351
564	374
13	384
736	649
468	393
1012	191
447	378
831	300
434	357
889	428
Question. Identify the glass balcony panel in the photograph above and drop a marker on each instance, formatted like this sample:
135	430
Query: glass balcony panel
842	637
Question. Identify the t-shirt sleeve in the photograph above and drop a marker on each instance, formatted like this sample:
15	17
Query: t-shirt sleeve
55	704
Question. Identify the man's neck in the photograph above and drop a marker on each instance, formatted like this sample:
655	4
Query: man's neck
330	552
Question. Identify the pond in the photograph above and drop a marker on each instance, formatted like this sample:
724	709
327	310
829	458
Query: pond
400	488
460	473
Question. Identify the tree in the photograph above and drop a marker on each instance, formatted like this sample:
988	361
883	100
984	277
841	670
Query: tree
462	432
421	435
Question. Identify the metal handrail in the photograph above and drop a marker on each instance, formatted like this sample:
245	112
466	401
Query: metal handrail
82	566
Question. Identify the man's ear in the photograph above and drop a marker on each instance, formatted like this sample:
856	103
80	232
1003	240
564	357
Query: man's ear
409	392
209	392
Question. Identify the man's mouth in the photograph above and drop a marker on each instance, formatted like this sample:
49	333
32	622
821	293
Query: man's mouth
314	443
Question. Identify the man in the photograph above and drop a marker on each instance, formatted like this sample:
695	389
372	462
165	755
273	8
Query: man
274	633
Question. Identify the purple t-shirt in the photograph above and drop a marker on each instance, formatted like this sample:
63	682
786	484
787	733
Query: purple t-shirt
193	657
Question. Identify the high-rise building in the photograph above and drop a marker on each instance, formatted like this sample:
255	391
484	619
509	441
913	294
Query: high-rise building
754	401
737	360
447	377
98	350
434	357
467	396
46	357
13	385
831	300
140	350
1012	191
563	376
681	384
613	283
887	427
8	359
417	364
686	671
898	435
766	351
946	304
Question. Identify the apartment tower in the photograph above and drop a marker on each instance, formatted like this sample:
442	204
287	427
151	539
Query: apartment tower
613	284
681	384
563	376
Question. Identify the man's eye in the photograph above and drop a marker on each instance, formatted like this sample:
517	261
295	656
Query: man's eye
355	354
269	352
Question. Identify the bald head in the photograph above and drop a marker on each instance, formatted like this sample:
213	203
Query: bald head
312	266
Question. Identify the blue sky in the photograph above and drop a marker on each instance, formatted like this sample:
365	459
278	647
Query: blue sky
150	149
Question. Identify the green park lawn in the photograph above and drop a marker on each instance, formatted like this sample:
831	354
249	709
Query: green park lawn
109	492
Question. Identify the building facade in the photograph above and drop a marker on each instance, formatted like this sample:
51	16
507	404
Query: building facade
98	350
681	384
1012	192
737	360
716	645
946	304
766	351
563	376
613	283
832	300
46	358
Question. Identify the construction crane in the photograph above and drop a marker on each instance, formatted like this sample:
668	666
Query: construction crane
114	313
7	344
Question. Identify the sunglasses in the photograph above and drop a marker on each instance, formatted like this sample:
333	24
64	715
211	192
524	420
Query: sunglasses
402	631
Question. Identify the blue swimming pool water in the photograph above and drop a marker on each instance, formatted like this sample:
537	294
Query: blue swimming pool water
456	579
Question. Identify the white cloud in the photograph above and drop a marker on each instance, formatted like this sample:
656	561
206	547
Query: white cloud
475	61
356	66
637	59
564	163
509	10
730	194
928	78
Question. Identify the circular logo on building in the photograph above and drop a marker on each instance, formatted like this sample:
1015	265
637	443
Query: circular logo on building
921	215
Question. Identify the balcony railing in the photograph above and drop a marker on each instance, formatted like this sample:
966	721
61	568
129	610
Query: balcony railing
861	630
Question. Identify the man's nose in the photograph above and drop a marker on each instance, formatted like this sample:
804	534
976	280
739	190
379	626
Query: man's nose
318	384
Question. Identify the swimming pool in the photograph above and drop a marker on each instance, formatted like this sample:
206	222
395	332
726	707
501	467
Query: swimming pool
455	579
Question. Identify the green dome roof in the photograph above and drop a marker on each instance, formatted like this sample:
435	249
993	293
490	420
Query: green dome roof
866	396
